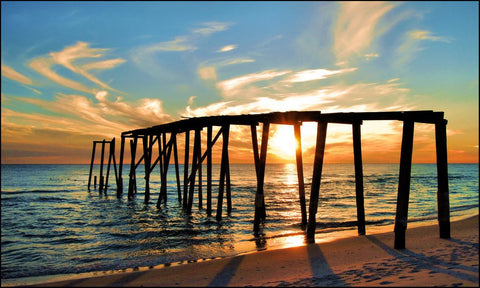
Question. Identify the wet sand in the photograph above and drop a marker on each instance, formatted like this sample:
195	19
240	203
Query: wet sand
368	260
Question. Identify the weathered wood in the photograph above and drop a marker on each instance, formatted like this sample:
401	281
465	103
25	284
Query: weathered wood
223	170
131	176
357	156
209	171
177	172
95	182
301	183
443	201
120	169
112	153
91	165
195	164
199	160
108	167
100	186
260	212
147	158
185	169
401	217
316	177
167	151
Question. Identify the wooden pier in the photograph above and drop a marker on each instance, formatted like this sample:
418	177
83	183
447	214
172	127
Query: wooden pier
165	137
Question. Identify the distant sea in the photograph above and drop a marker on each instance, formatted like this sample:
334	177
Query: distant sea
52	224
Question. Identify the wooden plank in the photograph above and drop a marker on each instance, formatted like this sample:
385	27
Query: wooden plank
209	170
443	202
316	177
100	186
91	164
131	176
260	213
146	152
177	172
401	217
301	183
120	169
195	164
357	155
223	167
185	169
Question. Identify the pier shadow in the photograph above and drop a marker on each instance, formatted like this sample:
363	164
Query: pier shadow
322	274
417	261
223	278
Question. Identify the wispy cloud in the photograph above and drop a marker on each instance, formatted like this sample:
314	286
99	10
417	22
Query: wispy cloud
67	58
315	74
10	73
209	28
412	45
355	28
207	73
229	88
227	48
427	35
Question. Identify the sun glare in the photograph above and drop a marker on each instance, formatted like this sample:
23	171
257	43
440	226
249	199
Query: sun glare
283	141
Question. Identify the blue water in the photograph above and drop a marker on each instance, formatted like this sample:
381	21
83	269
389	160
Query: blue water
52	224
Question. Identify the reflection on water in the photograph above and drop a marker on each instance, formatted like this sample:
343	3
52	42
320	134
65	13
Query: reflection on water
51	224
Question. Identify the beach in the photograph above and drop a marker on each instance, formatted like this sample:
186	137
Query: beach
368	260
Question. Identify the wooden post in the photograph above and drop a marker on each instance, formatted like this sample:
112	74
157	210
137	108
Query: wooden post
401	217
443	202
223	169
108	166
112	149
229	188
147	159
95	182
177	173
209	171
100	186
195	163
167	151
120	169
199	167
301	183
185	169
316	179
91	164
131	175
260	161
357	155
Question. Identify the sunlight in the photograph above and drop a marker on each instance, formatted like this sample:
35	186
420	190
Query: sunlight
283	141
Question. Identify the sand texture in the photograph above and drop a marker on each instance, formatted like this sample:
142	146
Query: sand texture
356	261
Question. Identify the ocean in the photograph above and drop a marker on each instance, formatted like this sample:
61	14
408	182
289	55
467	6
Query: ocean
52	224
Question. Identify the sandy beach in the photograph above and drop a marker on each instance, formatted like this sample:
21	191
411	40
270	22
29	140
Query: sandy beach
355	261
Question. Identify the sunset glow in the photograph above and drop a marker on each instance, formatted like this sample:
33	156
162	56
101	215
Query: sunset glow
114	67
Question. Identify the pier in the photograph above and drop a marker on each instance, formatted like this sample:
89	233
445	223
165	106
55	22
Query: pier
164	138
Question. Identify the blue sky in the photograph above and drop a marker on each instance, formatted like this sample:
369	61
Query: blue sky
74	72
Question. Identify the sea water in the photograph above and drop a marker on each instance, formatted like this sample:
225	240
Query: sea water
52	224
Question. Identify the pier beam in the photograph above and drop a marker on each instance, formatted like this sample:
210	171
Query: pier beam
401	217
301	184
357	155
120	169
209	170
185	169
177	172
223	170
100	186
132	185
260	161
147	157
91	165
443	202
317	175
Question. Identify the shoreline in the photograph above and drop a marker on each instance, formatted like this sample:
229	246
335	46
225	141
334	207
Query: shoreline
359	253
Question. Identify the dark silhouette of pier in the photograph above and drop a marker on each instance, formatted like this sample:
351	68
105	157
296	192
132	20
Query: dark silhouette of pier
165	137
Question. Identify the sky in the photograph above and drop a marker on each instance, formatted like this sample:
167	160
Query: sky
75	72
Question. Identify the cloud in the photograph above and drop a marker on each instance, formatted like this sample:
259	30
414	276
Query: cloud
427	35
207	73
10	73
230	87
211	27
355	28
412	45
315	74
67	58
227	48
370	56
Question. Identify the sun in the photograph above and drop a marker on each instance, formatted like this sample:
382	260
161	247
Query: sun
283	141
